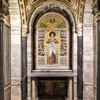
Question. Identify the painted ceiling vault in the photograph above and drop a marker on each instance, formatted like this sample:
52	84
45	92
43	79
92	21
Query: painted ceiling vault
28	6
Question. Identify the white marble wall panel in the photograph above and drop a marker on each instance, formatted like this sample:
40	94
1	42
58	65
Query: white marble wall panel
15	50
88	52
29	62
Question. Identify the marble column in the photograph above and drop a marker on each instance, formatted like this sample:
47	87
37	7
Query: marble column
70	92
96	12
24	63
98	60
34	89
80	64
3	12
75	88
1	59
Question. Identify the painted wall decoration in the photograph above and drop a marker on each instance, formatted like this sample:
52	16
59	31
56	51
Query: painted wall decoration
52	20
53	40
52	49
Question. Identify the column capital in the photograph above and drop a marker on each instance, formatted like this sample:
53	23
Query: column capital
4	9
1	16
79	29
24	30
96	9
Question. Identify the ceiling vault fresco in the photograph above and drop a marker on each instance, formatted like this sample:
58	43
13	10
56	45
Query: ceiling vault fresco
27	7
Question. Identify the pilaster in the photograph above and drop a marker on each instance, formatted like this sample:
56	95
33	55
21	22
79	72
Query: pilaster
96	13
1	58
80	63
24	63
70	92
3	12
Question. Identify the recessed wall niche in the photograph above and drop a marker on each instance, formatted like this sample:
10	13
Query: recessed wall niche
52	42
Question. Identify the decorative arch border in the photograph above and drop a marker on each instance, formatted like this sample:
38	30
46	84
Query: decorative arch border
57	6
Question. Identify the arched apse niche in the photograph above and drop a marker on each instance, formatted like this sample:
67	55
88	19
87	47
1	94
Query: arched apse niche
52	42
67	15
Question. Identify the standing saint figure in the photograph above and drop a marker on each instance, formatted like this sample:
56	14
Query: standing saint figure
52	48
